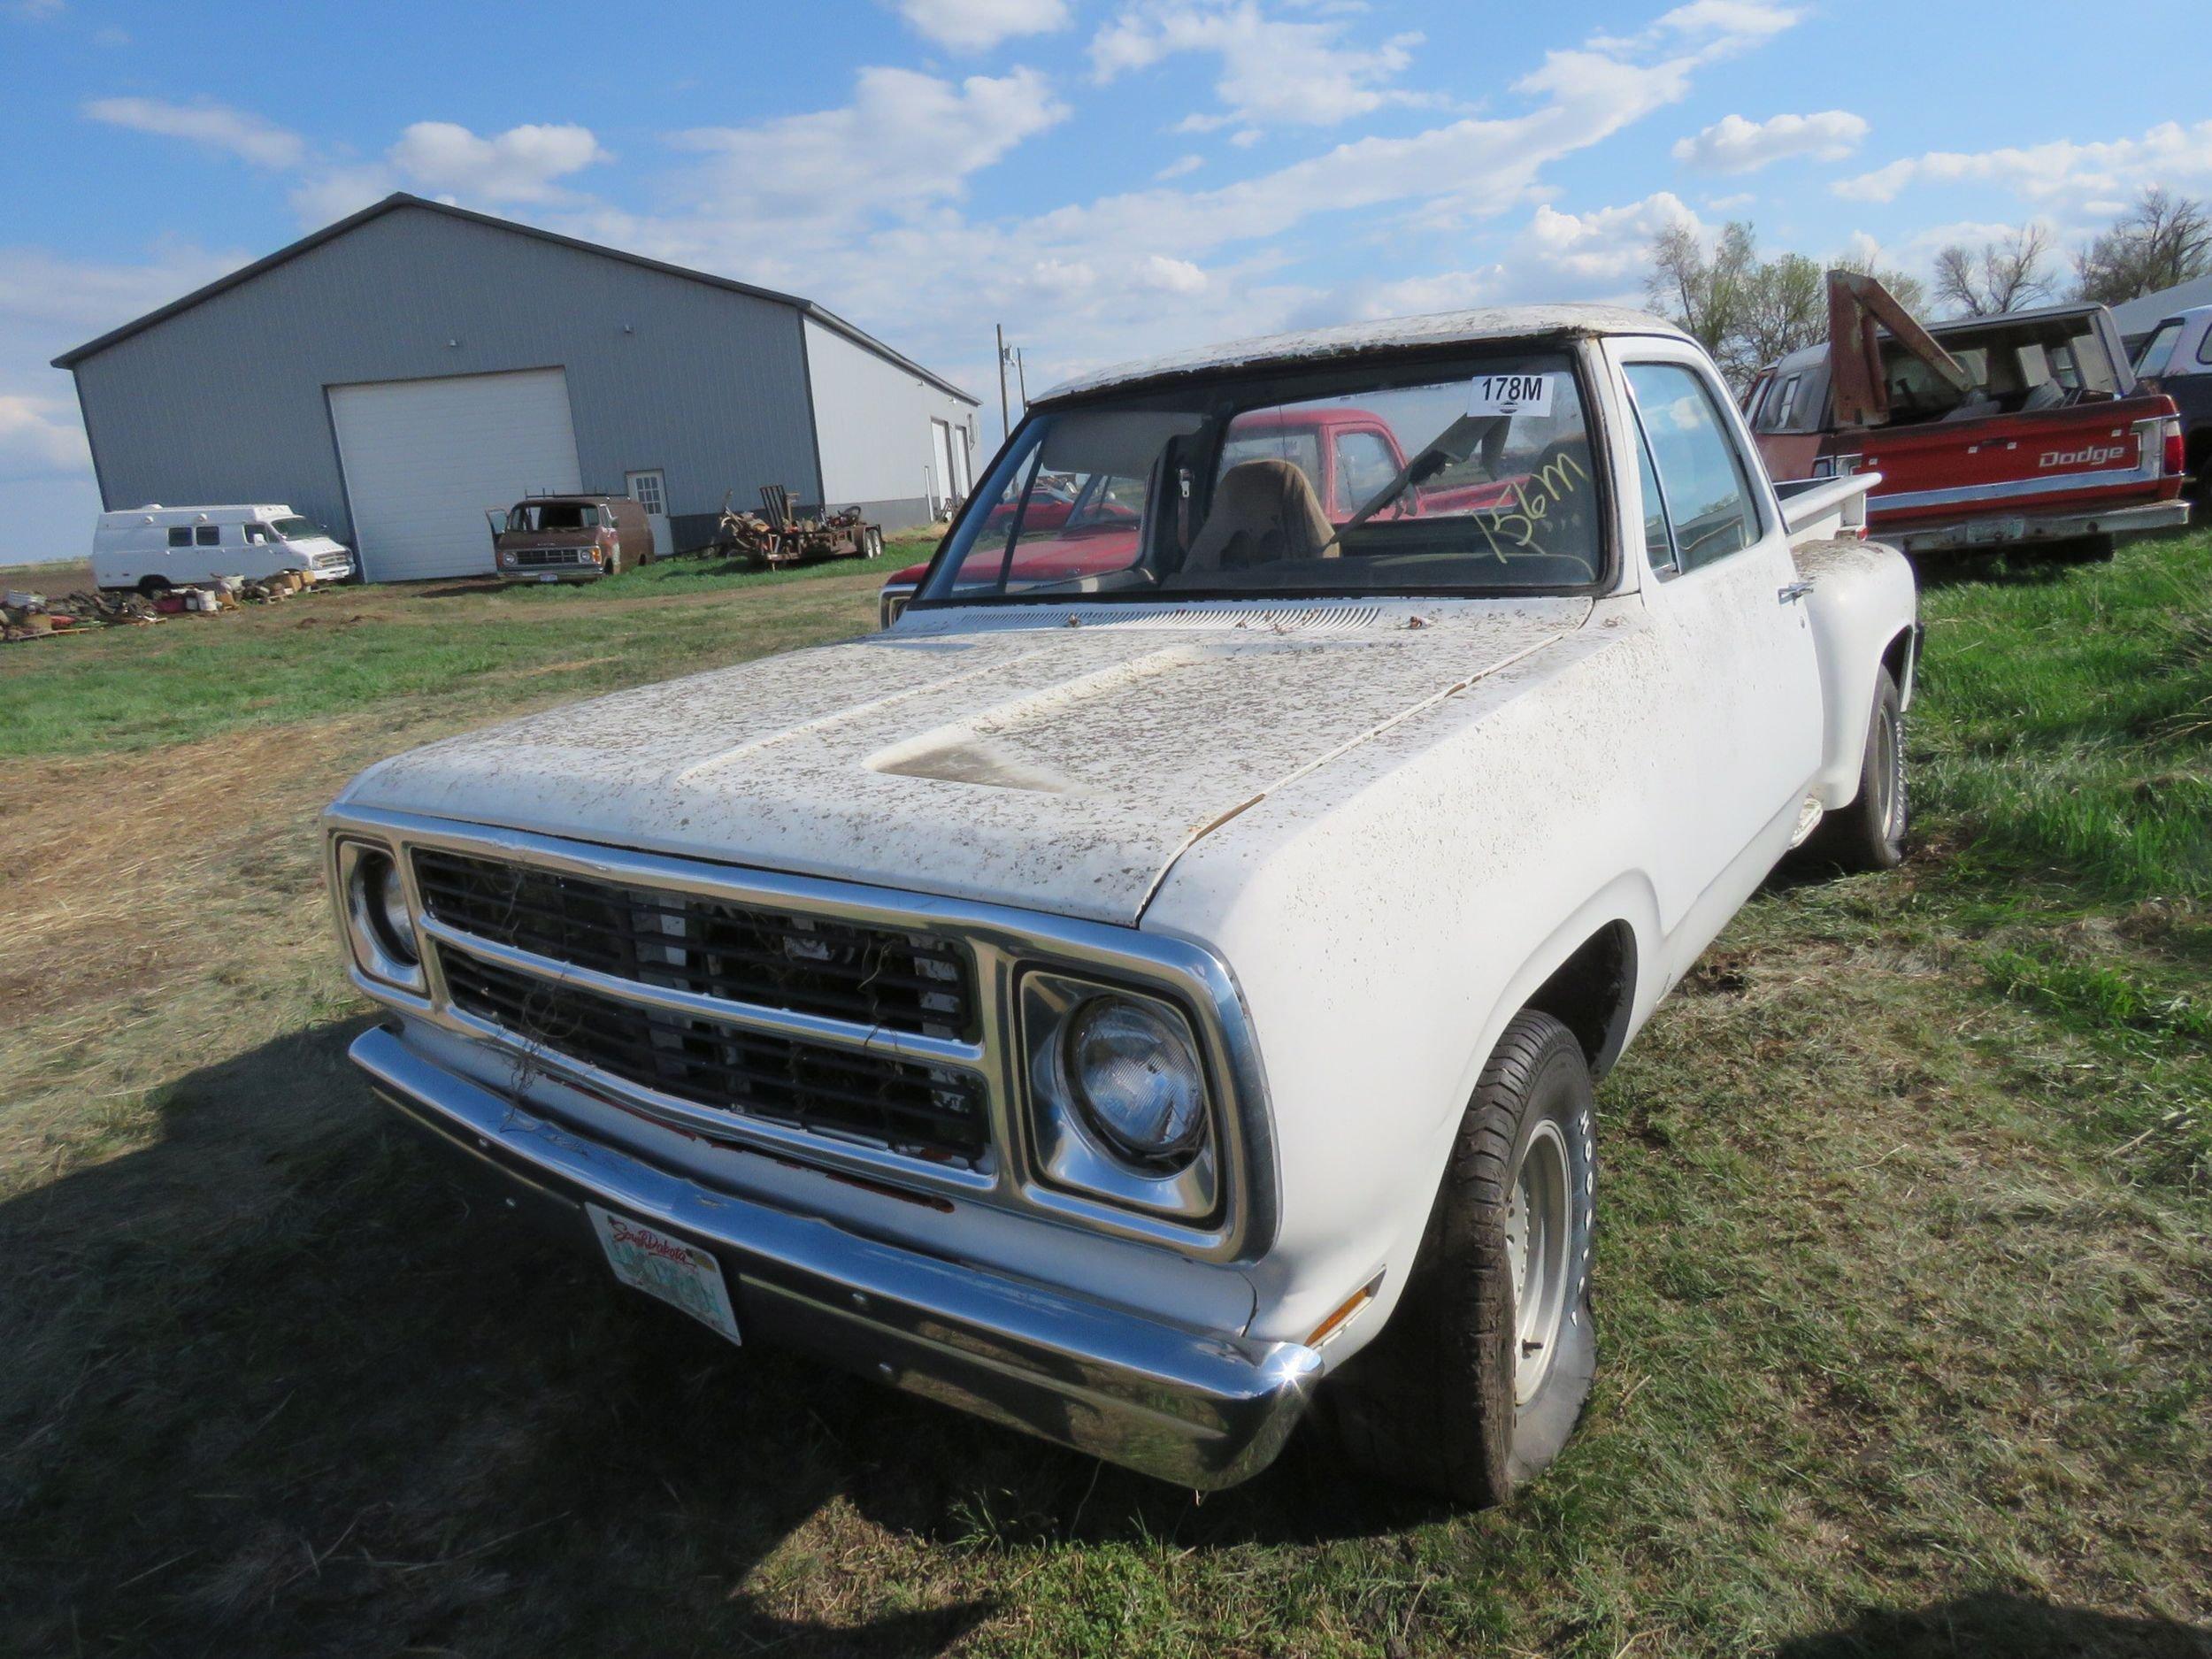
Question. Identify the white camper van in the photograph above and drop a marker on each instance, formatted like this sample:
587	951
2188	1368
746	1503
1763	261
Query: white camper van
154	547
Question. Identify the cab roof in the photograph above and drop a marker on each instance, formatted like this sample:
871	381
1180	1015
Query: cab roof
1390	334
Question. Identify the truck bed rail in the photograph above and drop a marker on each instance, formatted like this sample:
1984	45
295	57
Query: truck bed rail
1823	509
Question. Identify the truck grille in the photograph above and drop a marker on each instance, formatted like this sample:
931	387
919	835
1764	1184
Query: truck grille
865	975
531	558
933	1111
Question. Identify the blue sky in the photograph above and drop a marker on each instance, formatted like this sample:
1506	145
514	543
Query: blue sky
1109	180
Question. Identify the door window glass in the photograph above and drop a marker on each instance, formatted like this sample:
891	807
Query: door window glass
1658	544
1710	504
649	491
1364	465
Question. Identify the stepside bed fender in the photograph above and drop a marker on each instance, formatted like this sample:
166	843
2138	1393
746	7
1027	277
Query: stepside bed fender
1864	611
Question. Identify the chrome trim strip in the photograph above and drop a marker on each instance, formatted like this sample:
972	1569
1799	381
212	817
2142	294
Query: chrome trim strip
1197	1408
777	1022
2149	468
1002	940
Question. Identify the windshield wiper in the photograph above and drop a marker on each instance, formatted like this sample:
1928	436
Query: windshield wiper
1449	448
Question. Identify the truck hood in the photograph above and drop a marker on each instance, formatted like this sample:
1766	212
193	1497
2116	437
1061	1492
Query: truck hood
1059	762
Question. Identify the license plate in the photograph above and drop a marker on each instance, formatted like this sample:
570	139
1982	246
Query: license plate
680	1273
548	577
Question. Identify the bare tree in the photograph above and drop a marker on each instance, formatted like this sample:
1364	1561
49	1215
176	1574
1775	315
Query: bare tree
1744	310
1701	293
2008	275
2161	240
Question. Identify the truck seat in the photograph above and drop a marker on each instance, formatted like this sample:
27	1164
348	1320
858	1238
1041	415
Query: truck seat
1264	512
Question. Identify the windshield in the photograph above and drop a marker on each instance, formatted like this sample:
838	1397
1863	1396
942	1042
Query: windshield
536	516
295	529
2151	357
1474	478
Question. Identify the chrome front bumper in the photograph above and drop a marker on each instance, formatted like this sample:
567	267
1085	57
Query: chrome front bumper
1198	1410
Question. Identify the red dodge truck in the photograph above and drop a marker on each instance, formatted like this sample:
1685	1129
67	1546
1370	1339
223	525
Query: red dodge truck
1989	432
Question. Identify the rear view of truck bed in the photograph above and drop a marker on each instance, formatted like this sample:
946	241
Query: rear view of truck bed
1988	432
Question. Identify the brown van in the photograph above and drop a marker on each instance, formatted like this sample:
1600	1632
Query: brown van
570	538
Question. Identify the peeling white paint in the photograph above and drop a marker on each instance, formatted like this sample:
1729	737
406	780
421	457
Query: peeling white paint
1529	324
1058	769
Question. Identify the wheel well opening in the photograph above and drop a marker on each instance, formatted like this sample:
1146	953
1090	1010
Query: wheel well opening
1591	992
1897	656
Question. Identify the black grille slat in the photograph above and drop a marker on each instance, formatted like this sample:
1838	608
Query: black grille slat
865	974
936	1111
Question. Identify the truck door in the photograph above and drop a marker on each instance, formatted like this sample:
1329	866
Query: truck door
1736	726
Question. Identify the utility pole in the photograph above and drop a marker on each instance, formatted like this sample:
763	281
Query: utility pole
1021	373
1005	425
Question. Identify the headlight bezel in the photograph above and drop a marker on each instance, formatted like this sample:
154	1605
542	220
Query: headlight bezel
372	933
1069	1149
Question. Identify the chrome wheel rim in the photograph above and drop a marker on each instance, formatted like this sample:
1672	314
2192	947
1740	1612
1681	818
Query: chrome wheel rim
1889	768
1538	1248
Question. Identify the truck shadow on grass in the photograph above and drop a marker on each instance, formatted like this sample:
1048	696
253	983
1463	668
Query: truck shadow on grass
1998	1624
277	1382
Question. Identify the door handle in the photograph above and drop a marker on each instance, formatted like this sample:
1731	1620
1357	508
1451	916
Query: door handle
1792	592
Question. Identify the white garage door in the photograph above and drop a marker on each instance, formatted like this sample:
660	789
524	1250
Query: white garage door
425	459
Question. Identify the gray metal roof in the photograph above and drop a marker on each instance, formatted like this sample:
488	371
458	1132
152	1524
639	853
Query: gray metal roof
401	198
1397	334
2140	316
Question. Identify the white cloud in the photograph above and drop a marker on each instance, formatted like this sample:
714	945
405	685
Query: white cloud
906	140
1273	73
2063	170
974	26
37	11
335	192
40	435
1180	166
234	132
1730	203
1724	26
1156	271
1733	144
1601	253
523	164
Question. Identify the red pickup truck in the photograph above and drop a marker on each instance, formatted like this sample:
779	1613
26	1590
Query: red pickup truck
1346	455
1989	432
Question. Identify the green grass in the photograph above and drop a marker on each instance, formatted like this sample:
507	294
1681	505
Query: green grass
1905	1281
331	653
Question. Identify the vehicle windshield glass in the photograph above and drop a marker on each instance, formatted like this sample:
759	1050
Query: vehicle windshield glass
1476	477
2151	357
535	516
295	529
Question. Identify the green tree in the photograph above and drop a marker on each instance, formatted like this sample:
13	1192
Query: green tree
2161	240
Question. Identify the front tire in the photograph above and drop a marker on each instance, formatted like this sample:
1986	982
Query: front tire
1869	834
1482	1373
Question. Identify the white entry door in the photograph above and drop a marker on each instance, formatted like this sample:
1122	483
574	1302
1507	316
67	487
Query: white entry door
424	458
941	437
649	490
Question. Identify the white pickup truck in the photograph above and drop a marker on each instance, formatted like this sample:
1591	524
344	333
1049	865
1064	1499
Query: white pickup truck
1157	986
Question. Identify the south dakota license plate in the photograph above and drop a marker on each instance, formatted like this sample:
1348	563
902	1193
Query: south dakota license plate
660	1264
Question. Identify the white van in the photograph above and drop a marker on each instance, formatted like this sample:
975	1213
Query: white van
155	547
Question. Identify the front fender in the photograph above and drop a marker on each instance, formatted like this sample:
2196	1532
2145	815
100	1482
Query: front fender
1863	599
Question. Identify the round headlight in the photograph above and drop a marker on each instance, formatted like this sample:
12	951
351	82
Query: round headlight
1136	1077
383	905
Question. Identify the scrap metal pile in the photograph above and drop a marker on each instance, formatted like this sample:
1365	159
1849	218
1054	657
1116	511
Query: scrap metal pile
28	616
779	535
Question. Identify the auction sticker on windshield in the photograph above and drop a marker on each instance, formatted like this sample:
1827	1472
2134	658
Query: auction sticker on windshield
1509	394
647	1259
